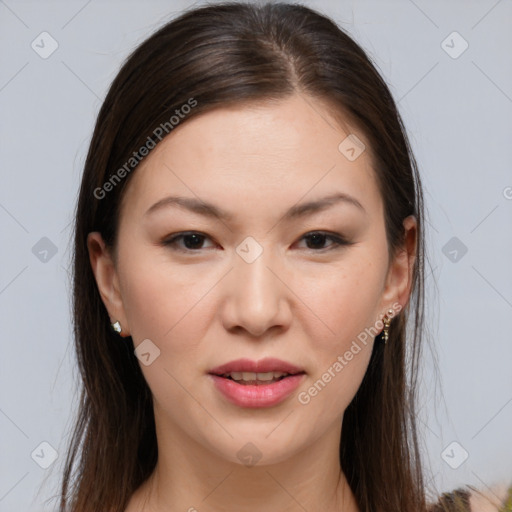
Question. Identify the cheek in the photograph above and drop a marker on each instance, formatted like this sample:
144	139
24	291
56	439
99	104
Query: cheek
160	298
344	301
167	306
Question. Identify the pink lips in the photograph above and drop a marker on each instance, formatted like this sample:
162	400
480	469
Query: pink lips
269	364
260	395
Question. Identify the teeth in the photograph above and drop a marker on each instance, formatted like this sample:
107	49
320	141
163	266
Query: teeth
251	376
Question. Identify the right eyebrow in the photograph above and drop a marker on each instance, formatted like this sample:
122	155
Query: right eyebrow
206	209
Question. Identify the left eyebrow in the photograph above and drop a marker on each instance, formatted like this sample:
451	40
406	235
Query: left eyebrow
300	210
210	210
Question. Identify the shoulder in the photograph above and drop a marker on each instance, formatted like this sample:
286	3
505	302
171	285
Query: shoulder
471	499
497	498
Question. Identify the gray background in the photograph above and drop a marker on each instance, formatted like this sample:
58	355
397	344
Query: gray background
458	113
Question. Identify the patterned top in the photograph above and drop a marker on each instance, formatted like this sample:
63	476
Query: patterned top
463	500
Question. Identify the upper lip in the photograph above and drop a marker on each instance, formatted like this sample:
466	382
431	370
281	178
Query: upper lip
268	364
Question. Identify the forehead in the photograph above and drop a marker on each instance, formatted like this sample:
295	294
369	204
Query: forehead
254	156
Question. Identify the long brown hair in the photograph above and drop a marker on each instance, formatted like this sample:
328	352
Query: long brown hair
220	55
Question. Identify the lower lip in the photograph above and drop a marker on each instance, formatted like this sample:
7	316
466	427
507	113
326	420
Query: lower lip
265	395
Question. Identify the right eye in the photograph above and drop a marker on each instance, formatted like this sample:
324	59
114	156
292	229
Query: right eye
192	240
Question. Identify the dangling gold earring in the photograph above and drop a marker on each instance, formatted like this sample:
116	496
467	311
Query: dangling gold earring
116	327
387	321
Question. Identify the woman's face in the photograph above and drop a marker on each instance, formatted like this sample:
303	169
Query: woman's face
254	282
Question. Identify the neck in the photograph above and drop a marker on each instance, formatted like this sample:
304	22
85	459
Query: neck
190	478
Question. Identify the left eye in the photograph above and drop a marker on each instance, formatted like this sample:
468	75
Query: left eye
193	241
320	237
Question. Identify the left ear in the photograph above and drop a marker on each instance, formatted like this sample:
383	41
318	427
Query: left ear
399	279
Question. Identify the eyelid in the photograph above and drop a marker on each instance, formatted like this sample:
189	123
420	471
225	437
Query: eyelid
170	241
338	241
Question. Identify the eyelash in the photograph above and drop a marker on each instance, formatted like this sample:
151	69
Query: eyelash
338	241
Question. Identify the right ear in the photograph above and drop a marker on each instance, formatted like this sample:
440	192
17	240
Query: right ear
107	280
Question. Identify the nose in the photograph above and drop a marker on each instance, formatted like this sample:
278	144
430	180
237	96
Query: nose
257	298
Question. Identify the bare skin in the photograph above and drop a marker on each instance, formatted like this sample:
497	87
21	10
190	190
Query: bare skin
304	301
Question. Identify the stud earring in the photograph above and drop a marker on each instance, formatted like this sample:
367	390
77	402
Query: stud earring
387	321
116	327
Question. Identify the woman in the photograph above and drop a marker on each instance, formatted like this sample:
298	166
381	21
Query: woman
248	254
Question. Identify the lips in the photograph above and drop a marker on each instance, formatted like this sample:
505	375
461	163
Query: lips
266	365
263	383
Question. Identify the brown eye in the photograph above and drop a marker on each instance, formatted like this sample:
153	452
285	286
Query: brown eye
192	241
316	241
